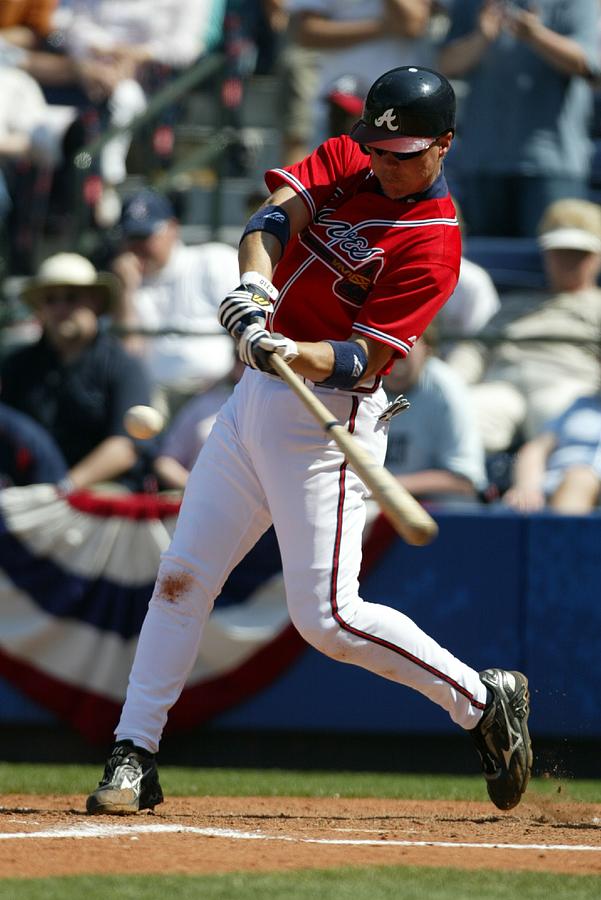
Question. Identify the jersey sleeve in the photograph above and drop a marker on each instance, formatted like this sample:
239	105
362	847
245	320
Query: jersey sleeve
323	173
418	277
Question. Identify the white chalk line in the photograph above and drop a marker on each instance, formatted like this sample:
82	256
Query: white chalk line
111	831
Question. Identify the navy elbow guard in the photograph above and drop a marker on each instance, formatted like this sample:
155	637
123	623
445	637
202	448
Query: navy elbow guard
274	220
350	364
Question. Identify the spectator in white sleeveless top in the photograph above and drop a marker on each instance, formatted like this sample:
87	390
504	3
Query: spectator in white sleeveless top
168	285
434	448
542	347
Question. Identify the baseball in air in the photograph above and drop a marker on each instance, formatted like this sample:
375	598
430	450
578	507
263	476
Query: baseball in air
143	422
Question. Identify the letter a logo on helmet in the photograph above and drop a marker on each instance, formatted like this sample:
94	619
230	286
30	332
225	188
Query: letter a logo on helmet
405	109
387	117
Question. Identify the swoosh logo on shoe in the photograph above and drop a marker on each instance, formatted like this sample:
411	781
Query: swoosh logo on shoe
132	784
515	740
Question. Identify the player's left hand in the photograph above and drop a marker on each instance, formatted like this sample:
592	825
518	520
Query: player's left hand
250	302
256	345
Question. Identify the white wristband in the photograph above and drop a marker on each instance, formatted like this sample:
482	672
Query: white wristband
260	281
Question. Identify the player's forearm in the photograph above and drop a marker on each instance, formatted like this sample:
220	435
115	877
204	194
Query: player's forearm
315	360
111	458
259	252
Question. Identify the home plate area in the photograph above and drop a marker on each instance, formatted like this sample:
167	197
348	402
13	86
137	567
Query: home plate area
43	836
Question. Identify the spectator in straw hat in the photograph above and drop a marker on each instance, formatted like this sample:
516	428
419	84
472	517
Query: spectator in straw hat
77	381
542	347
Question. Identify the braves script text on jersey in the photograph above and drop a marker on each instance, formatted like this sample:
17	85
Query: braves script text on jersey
380	267
368	264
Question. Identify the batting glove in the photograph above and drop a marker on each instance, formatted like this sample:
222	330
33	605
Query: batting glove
256	346
250	302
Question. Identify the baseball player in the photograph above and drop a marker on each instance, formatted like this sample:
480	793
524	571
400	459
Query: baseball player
343	267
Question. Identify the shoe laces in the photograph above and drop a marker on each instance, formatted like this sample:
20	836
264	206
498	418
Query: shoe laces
121	756
519	704
489	759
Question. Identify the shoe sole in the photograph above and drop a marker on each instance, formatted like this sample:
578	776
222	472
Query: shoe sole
115	803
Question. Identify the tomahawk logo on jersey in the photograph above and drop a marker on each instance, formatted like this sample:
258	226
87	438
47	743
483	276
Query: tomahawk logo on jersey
379	267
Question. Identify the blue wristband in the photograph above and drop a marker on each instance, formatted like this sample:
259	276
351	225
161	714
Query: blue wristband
350	363
274	220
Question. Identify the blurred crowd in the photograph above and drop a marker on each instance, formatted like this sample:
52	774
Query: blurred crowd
504	388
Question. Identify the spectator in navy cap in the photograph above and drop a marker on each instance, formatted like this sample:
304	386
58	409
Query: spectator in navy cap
170	286
145	213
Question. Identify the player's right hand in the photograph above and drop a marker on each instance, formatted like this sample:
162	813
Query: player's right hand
250	302
256	346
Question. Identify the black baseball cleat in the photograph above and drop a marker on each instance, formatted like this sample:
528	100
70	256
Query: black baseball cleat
501	737
130	782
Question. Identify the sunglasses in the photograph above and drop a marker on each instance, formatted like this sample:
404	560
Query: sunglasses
380	151
71	295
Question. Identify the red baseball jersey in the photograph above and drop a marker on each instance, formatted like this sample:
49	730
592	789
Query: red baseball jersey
365	263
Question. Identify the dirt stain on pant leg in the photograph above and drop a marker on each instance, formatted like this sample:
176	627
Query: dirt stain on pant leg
172	587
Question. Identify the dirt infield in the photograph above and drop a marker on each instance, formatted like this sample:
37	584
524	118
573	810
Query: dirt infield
42	836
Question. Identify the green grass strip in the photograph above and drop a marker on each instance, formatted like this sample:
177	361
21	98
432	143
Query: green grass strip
19	778
374	883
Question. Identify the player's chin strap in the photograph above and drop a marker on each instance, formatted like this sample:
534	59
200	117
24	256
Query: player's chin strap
398	405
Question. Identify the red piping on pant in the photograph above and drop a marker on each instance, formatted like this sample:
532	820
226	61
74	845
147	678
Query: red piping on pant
334	584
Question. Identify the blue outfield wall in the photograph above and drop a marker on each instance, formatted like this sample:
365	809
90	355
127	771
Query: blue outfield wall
496	589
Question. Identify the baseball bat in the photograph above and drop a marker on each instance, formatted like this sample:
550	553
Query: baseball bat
409	518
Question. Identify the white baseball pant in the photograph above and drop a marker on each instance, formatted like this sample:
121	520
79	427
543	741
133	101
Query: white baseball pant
268	460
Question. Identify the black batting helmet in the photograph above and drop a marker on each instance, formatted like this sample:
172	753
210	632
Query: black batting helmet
405	108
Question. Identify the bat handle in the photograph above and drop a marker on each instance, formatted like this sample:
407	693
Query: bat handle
407	515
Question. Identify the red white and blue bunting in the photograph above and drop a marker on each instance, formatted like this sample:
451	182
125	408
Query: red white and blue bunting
76	575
